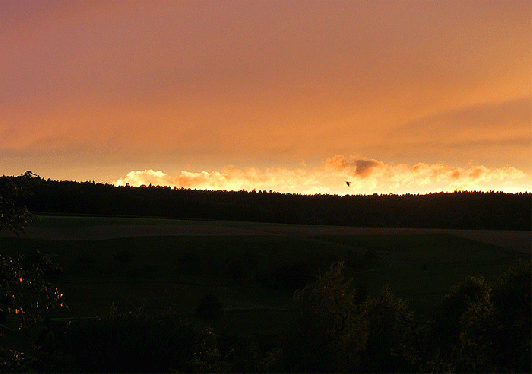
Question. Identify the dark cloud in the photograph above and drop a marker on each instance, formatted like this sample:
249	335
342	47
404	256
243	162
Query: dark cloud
363	168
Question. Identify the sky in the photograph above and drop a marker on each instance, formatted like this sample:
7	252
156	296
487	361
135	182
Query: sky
406	96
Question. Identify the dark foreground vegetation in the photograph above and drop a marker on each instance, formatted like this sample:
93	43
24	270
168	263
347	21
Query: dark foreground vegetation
334	326
460	210
258	304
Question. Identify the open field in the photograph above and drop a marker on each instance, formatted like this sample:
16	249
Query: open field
101	228
166	264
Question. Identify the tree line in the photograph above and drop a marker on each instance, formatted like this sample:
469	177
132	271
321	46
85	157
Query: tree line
457	210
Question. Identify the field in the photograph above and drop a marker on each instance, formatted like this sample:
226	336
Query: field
252	268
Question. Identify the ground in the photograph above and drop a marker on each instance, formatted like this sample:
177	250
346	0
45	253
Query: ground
515	240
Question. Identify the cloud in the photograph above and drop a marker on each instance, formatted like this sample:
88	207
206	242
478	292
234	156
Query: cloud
366	176
489	124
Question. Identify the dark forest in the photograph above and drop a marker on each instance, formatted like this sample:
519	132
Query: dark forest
457	210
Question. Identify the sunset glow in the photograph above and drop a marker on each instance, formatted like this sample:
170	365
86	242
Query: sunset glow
293	96
364	177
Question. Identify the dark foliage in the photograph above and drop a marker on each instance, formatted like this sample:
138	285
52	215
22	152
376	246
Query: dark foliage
485	328
133	343
390	345
26	299
459	210
329	333
13	192
26	294
447	327
335	333
512	303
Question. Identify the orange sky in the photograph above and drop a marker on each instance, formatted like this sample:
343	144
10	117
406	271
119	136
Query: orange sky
294	96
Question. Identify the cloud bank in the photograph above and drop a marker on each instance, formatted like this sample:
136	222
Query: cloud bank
366	176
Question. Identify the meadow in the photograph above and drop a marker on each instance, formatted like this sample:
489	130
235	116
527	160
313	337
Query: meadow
253	275
165	295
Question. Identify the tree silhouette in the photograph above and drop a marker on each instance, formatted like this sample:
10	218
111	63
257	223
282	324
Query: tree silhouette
13	191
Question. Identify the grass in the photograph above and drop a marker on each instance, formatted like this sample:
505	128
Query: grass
422	268
66	222
159	273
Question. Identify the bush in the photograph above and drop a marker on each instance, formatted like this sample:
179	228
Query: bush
134	342
26	294
334	333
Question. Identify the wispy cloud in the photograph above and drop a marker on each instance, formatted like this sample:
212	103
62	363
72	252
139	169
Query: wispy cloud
365	176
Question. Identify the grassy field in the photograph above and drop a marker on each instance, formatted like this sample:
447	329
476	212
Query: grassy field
246	273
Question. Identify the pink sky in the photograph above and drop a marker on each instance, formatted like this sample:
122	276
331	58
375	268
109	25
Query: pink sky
428	95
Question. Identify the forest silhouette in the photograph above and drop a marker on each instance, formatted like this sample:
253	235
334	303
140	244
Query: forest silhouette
457	210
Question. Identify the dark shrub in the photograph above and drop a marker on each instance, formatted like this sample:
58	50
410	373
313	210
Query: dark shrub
136	343
485	328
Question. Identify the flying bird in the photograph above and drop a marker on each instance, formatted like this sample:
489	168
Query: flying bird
348	183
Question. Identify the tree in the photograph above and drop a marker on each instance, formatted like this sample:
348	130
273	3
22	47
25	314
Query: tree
13	214
26	296
496	331
483	327
390	344
447	327
329	333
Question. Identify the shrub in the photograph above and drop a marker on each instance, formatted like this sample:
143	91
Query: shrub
134	342
26	293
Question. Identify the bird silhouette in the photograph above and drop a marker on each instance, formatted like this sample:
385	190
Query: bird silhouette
348	183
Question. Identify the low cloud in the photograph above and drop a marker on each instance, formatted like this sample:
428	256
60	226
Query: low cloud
366	176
